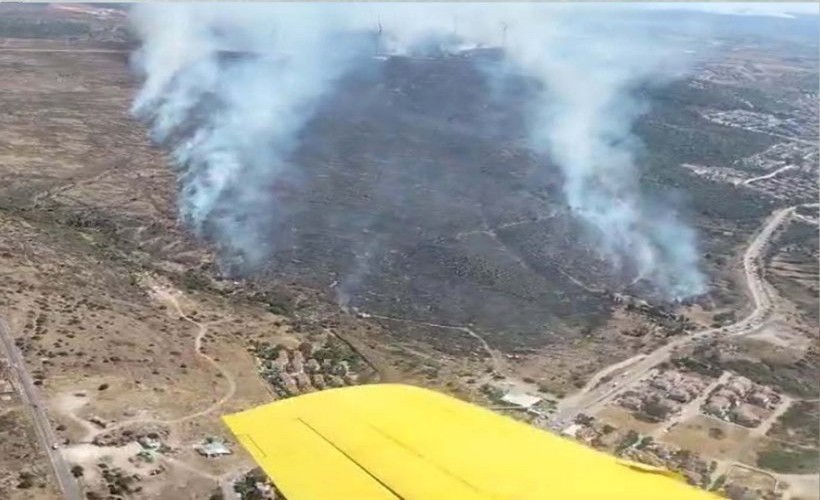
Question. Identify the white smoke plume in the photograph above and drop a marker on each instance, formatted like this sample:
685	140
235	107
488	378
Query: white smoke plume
261	70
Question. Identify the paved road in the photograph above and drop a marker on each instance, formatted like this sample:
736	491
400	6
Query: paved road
73	51
31	399
591	398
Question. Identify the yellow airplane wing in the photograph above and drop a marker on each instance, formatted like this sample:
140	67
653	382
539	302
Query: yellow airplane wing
389	441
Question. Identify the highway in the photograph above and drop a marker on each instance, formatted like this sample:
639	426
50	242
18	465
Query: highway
595	396
30	397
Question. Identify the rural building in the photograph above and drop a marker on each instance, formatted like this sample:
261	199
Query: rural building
281	361
212	449
739	385
572	430
632	402
717	405
6	387
727	394
763	398
341	368
297	361
521	399
665	381
745	416
150	443
312	366
303	381
318	381
288	384
680	394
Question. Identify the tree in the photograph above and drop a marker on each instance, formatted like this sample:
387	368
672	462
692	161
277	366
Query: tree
26	480
644	442
654	411
584	419
77	471
628	441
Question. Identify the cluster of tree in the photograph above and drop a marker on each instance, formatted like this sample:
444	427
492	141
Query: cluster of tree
24	28
247	490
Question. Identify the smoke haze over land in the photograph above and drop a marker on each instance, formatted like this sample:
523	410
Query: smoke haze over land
230	88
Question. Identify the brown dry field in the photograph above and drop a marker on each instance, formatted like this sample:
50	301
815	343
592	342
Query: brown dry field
87	231
87	223
21	455
621	418
693	434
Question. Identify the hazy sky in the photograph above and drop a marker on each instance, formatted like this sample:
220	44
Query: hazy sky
780	9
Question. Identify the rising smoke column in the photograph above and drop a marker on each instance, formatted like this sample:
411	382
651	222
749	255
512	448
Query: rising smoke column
590	60
590	71
229	88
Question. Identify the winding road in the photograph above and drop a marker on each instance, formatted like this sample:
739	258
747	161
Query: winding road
203	330
164	295
224	481
31	398
594	396
589	399
769	175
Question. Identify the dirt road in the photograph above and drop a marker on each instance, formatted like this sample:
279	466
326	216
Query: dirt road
36	408
769	175
169	297
202	330
592	398
225	481
496	359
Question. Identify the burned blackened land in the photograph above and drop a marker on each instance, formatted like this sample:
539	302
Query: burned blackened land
414	195
419	198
